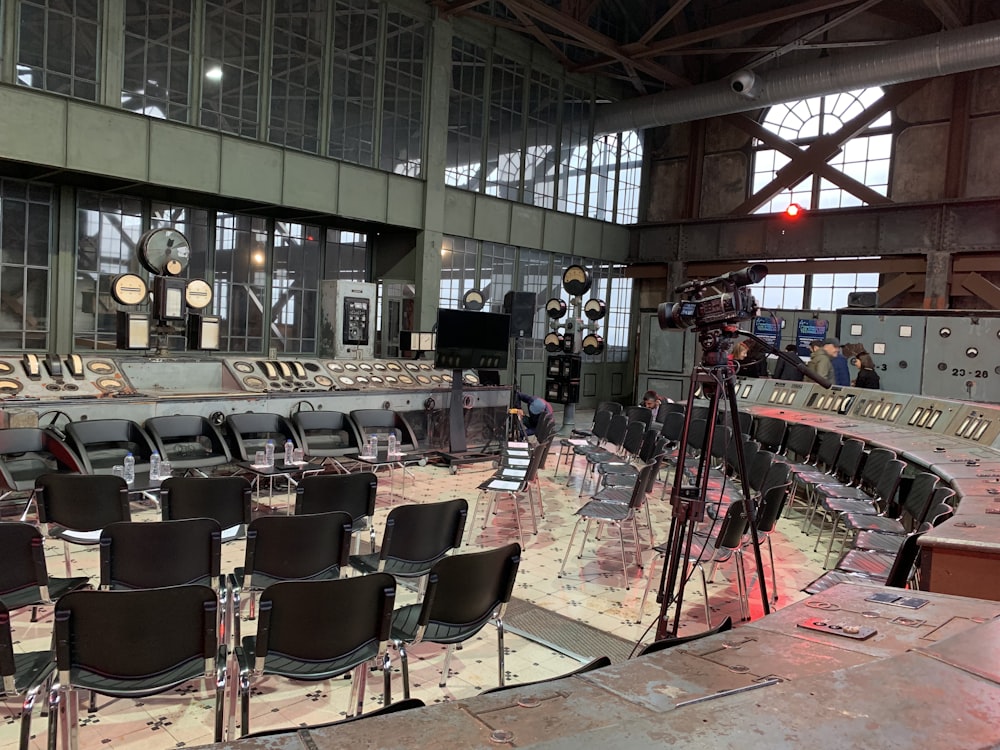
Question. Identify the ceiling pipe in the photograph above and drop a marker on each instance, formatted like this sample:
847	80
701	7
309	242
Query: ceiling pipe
944	53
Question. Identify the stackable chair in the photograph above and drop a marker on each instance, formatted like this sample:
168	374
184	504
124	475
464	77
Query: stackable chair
24	577
817	467
625	450
607	450
383	422
770	433
899	574
226	499
579	446
845	471
510	482
23	676
888	541
353	494
464	593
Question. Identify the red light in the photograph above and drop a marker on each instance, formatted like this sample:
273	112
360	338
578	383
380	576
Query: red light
793	210
309	237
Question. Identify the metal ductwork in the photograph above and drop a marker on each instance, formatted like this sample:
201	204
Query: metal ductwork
944	53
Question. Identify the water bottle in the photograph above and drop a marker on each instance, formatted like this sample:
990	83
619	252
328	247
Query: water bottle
392	445
154	466
129	474
373	446
289	451
269	453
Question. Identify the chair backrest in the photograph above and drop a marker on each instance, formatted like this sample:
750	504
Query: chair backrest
644	483
602	421
611	406
103	443
325	433
353	494
770	433
188	441
82	502
640	414
383	422
28	452
830	444
297	548
906	558
423	532
673	425
634	433
250	431
772	502
23	574
696	435
666	643
848	464
226	499
734	526
875	463
650	439
700	412
667	408
759	466
721	441
168	553
801	441
314	626
888	484
617	429
918	500
777	475
750	450
142	636
466	590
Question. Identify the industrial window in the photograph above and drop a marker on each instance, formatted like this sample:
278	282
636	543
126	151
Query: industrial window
403	94
25	237
295	275
811	291
542	116
615	176
506	119
346	255
496	273
59	46
231	66
299	32
157	60
458	270
241	275
864	158
465	116
574	153
352	81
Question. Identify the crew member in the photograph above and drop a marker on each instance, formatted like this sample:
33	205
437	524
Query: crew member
820	361
867	377
841	372
537	406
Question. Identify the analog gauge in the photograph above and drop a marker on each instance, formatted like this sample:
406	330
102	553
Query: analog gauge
446	378
365	366
350	367
324	381
198	294
129	289
6	368
593	344
394	366
595	309
391	379
412	366
576	280
944	332
254	383
406	380
100	367
344	380
244	367
377	379
164	250
470	379
553	342
380	367
423	380
334	367
473	300
361	380
555	308
9	386
435	378
972	352
425	367
311	366
110	384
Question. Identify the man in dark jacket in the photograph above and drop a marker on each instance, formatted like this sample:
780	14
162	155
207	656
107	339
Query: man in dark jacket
841	370
784	370
537	406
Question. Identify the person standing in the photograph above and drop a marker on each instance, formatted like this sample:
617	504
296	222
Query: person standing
841	372
784	370
867	377
820	361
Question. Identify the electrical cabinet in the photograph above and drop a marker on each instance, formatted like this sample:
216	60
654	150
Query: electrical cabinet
347	328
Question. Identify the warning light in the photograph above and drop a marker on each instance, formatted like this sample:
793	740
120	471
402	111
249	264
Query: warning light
793	211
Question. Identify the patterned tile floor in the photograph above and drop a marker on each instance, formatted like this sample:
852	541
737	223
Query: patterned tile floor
592	591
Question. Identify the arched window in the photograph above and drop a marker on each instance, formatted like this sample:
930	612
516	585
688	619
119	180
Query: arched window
864	158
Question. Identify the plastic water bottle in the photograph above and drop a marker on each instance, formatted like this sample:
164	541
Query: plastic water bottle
392	445
269	453
154	466
129	474
373	446
289	451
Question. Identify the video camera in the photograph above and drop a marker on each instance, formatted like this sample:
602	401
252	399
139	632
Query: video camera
732	302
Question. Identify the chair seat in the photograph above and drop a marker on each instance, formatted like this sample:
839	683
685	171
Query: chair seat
29	670
616	495
608	511
844	505
867	562
137	687
502	485
319	443
295	668
863	522
878	542
404	627
833	577
31	595
369	564
617	467
841	491
262	580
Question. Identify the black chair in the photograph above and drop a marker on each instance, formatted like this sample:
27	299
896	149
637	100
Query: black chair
249	432
27	453
770	433
353	494
599	663
226	499
897	577
503	483
24	577
890	539
640	414
318	630
464	593
383	422
190	443
132	644
612	407
168	553
23	676
579	446
326	435
846	470
102	444
392	708
291	548
416	537
665	643
75	507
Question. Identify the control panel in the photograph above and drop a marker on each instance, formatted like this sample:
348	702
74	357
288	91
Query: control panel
56	376
348	319
279	375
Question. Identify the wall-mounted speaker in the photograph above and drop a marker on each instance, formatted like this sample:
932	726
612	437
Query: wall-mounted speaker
862	299
521	308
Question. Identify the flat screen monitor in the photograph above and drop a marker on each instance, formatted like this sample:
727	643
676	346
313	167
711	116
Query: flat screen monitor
472	340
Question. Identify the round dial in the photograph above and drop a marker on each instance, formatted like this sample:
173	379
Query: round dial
474	300
129	289
553	342
100	367
6	368
555	308
110	384
9	385
324	381
254	383
593	344
595	309
350	367
406	380
244	367
576	280
164	250
198	294
334	367
365	367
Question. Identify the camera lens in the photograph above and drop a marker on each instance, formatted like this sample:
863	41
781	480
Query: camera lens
676	316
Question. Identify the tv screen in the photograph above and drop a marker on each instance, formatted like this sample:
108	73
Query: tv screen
469	340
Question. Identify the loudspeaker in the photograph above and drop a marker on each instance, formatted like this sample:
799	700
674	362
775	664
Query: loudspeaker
862	299
521	308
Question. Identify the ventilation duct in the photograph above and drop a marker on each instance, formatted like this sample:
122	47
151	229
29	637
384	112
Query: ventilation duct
944	53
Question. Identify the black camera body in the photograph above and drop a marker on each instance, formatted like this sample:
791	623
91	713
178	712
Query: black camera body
731	303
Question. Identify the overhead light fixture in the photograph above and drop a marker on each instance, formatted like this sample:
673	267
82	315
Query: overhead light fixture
214	73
